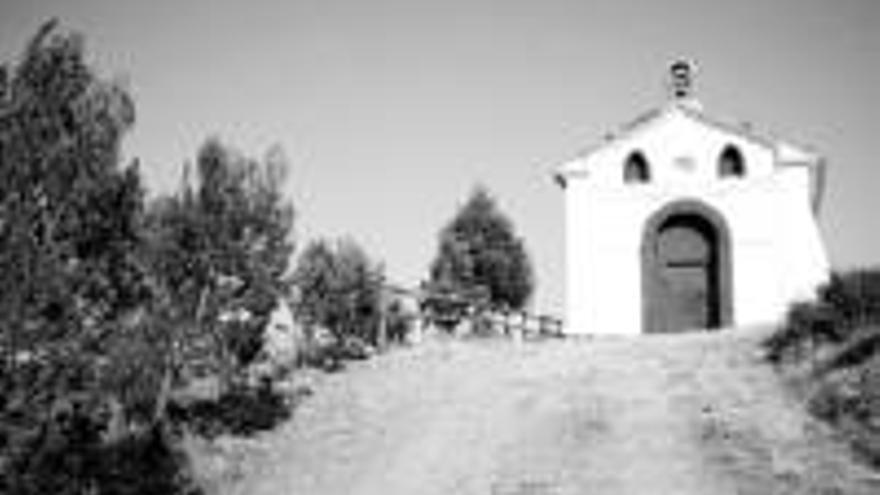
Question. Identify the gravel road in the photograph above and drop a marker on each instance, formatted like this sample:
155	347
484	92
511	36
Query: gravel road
679	415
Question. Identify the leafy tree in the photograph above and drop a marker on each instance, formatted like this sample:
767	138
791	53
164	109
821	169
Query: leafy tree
339	289
70	261
479	257
70	213
220	247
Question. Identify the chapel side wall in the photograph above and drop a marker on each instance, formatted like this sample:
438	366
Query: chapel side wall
576	319
808	265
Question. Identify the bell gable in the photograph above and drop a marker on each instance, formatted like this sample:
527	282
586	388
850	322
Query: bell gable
681	144
681	221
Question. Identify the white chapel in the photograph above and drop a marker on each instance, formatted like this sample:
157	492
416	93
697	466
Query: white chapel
680	221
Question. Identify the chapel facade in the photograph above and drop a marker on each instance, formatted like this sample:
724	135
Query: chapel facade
680	221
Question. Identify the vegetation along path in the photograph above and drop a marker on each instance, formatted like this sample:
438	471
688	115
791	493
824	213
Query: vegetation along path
682	414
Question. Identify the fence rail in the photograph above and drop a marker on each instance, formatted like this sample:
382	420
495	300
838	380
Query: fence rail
477	314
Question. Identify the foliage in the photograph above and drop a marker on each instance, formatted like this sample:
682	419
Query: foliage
73	460
854	297
220	247
807	325
479	253
838	336
847	395
847	302
71	262
240	411
339	289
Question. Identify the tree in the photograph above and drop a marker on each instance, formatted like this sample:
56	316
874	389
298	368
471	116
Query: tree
340	289
69	210
480	256
70	261
220	247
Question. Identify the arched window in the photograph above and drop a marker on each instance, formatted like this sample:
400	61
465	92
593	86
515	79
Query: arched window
636	168
731	162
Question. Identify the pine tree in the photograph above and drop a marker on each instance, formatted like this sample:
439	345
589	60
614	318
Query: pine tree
480	256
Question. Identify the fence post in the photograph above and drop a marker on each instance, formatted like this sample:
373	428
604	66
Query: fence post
416	330
518	329
382	338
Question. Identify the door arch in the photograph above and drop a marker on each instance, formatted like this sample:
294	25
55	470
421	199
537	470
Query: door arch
686	269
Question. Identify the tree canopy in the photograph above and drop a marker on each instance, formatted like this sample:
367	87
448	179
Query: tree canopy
339	288
221	246
70	263
479	252
69	211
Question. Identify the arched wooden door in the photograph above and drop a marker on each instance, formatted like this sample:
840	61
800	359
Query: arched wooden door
686	267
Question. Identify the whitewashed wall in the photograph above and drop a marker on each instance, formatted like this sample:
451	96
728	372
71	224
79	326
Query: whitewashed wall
777	255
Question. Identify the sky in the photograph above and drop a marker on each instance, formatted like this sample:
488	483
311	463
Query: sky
390	111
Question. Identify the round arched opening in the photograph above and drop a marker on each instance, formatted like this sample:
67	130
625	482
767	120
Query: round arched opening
686	270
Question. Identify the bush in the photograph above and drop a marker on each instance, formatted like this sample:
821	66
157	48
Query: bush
240	411
854	297
806	326
148	463
331	356
70	457
849	399
840	333
848	301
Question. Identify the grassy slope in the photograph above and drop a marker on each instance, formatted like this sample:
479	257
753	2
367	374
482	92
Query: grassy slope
842	386
687	414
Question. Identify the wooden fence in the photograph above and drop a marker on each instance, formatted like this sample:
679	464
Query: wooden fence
477	317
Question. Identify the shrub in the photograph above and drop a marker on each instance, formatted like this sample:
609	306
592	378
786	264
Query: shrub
806	325
241	410
854	297
331	355
847	302
849	399
148	463
71	457
844	323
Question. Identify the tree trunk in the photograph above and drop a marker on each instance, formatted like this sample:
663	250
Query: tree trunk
172	365
164	398
221	354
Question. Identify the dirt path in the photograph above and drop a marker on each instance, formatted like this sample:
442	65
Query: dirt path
694	414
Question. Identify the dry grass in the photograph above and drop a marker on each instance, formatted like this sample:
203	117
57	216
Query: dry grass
689	414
